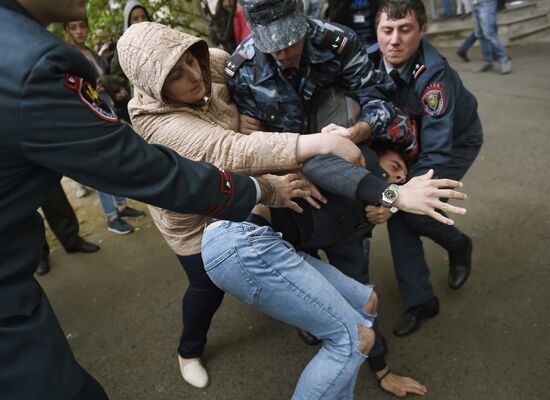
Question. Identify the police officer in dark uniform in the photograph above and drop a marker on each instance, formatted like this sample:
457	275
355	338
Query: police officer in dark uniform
53	123
450	135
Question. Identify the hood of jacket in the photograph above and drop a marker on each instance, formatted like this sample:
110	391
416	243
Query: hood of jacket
147	53
130	5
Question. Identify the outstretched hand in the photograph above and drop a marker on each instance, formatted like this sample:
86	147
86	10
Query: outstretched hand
400	386
294	185
422	193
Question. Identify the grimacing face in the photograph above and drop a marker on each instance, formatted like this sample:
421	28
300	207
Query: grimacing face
399	39
185	83
290	57
395	166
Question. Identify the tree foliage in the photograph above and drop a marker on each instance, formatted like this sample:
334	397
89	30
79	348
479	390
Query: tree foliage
105	18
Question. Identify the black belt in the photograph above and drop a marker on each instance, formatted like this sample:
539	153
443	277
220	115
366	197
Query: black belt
258	219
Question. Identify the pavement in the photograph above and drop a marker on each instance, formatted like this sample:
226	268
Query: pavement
120	307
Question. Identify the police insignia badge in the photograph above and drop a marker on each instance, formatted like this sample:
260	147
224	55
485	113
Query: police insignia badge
433	99
337	42
91	99
233	64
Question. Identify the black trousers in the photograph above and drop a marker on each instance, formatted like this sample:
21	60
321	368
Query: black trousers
199	304
61	218
405	230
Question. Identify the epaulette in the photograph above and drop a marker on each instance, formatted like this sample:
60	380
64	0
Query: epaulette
233	64
418	70
335	41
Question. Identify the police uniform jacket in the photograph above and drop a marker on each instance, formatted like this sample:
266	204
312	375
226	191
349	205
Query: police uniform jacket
332	55
53	124
432	93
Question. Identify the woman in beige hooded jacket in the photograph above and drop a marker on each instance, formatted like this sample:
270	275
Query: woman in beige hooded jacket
181	101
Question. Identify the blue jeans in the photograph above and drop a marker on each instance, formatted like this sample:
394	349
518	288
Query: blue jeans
485	26
108	202
258	267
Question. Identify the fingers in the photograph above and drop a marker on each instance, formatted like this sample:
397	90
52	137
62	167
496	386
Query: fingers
295	207
450	208
362	162
447	183
439	217
313	202
451	194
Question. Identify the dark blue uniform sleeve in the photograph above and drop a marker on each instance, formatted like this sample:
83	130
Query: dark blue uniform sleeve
436	94
65	131
370	86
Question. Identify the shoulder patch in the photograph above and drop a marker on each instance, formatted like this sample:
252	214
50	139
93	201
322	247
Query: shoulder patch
433	99
233	64
336	42
91	99
418	70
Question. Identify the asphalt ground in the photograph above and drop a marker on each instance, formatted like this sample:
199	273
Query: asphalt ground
120	307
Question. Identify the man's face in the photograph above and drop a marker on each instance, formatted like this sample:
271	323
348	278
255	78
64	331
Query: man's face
47	11
395	166
78	32
290	57
399	39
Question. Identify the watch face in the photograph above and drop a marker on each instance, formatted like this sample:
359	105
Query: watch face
390	194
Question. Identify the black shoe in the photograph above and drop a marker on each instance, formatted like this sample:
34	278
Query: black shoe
460	265
43	268
307	337
129	212
463	56
410	321
83	246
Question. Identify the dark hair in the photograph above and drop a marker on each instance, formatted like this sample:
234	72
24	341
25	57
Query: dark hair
85	20
397	9
382	147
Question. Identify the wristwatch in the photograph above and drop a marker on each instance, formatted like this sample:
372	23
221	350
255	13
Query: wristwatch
389	195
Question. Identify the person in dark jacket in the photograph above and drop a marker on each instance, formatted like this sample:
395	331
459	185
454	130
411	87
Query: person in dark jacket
53	124
63	222
450	133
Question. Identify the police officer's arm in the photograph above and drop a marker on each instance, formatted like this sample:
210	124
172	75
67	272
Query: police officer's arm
436	94
62	130
370	87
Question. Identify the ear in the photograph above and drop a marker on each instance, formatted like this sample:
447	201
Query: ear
424	29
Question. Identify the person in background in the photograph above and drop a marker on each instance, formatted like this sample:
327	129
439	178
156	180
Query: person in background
484	13
63	222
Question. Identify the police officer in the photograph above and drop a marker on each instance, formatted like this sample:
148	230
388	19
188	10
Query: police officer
450	132
53	123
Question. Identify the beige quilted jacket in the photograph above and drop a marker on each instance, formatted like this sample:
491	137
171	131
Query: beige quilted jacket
205	132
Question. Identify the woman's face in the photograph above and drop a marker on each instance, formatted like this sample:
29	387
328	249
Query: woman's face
78	32
138	15
185	83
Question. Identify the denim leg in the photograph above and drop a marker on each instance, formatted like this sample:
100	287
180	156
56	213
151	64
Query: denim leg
255	265
199	304
468	43
447	11
487	31
120	200
107	203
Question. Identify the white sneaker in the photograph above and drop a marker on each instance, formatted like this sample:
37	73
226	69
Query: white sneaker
194	373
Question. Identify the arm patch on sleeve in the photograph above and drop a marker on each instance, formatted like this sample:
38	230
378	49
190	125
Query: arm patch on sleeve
91	99
433	99
336	42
